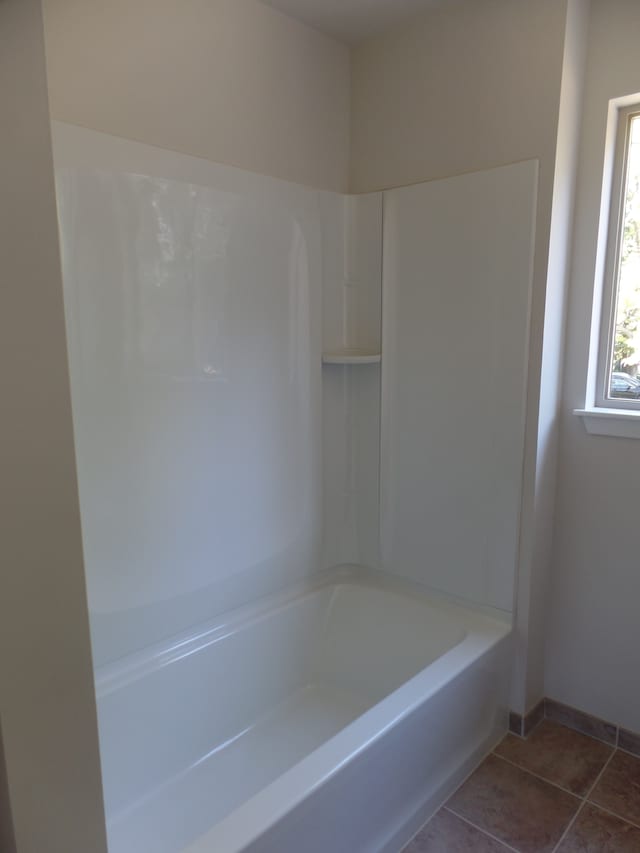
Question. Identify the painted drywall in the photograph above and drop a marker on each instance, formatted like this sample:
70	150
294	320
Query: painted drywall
7	836
234	81
536	545
47	703
465	87
593	649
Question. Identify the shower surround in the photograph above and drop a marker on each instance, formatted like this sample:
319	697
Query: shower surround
258	614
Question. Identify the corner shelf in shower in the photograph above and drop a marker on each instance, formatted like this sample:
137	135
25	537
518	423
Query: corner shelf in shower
351	355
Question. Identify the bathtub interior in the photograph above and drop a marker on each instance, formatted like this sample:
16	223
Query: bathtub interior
189	734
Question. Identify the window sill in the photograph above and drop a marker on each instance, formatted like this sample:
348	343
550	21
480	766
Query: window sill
619	423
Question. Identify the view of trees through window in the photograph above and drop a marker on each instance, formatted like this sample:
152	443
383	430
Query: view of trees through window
625	365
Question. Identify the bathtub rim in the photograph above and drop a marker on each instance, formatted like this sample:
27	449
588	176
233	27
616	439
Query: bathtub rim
115	675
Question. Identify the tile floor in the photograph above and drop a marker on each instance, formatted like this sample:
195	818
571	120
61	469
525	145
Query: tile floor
558	790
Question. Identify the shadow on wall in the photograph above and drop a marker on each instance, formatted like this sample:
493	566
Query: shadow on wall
7	840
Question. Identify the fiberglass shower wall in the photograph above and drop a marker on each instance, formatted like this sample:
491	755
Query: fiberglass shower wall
458	257
193	295
218	459
352	305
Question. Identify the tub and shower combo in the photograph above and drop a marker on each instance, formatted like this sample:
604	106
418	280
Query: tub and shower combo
337	716
300	574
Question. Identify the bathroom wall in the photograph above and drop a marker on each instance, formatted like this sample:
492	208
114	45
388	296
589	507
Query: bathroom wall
471	85
352	302
475	85
47	706
7	836
258	90
193	295
233	81
537	539
592	651
463	87
458	258
238	83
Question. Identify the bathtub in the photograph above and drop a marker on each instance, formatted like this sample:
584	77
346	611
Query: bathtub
332	717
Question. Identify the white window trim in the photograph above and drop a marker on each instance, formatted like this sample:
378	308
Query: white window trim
619	423
612	264
603	415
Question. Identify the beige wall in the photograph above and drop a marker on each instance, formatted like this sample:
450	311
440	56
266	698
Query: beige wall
7	839
47	705
233	81
537	544
464	87
593	652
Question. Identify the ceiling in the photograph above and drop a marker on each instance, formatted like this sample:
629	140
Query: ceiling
352	21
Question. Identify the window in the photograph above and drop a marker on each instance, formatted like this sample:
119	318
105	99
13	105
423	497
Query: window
619	356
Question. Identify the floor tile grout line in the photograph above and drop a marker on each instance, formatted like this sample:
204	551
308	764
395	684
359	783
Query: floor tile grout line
626	752
569	826
542	778
444	804
612	814
480	829
585	800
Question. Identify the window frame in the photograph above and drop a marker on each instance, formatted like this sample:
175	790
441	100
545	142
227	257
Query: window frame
615	232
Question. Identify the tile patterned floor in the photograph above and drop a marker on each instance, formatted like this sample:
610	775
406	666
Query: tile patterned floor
558	791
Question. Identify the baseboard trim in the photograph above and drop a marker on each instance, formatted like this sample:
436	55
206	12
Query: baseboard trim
549	709
523	725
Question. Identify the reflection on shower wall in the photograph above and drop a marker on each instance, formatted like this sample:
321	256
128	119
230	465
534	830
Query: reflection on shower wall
193	299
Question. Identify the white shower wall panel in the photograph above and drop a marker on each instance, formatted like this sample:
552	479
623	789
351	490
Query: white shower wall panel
456	291
194	313
352	282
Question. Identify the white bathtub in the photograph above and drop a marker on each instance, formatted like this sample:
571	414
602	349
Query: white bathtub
332	718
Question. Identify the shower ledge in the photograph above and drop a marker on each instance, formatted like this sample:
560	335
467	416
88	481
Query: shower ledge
351	355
